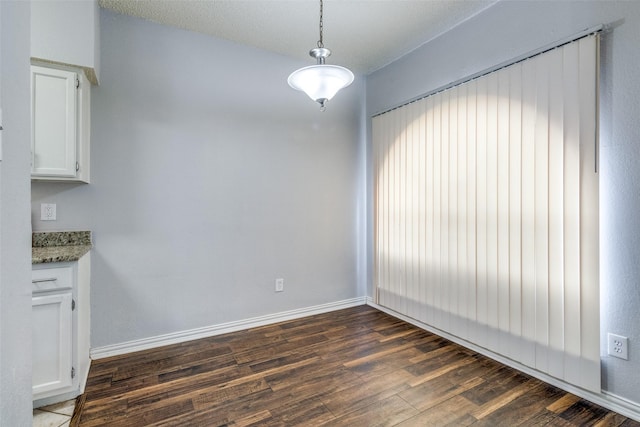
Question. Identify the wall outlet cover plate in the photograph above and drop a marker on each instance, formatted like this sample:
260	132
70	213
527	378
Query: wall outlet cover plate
47	211
618	346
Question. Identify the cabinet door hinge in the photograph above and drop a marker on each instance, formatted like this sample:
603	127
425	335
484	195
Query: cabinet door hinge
73	372
77	166
73	304
77	83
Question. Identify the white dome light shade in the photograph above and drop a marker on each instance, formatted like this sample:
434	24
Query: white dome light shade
321	82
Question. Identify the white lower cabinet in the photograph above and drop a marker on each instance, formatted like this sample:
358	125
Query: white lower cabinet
60	332
52	342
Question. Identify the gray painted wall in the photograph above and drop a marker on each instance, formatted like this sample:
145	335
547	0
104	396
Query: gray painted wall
509	29
210	179
15	230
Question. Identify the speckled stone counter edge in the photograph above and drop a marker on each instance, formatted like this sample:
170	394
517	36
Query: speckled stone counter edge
58	254
59	246
45	239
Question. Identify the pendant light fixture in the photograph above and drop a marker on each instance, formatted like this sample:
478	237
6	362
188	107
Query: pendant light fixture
321	81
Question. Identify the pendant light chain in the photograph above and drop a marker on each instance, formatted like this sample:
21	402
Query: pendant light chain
320	42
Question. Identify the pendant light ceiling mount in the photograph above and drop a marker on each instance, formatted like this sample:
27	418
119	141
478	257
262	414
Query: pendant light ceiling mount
320	53
321	81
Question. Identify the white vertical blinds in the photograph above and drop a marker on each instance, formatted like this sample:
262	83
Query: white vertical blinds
486	210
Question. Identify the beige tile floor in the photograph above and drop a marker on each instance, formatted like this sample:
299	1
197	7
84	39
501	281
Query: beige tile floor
56	415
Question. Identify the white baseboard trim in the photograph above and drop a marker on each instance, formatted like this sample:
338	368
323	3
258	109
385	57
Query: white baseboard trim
605	399
223	328
46	401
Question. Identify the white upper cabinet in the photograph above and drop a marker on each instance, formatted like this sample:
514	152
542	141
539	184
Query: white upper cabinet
60	125
67	33
65	46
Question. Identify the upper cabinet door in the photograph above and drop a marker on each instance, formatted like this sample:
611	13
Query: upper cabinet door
54	104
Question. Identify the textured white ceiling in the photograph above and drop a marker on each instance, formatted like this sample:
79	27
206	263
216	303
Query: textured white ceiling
363	35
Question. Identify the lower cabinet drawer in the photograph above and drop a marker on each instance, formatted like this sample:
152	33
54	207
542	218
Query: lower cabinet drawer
46	278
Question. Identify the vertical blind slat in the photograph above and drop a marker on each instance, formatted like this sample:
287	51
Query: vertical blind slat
472	280
503	156
414	210
529	103
556	215
515	211
461	245
515	204
481	214
437	250
571	236
452	212
541	211
422	195
395	221
429	230
589	243
492	210
444	212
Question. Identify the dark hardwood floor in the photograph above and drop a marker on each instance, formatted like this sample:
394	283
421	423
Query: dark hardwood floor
354	367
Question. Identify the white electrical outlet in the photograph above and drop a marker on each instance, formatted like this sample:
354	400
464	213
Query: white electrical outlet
618	346
48	211
279	285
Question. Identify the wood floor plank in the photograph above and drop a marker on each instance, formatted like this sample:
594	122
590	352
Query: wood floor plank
197	367
352	367
229	392
496	384
612	420
262	354
169	363
563	403
524	408
437	391
583	413
281	361
378	355
318	379
305	412
390	363
371	391
480	368
225	413
445	368
437	358
504	399
450	411
388	412
258	418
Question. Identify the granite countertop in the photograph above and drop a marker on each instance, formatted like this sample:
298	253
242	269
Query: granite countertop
59	246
